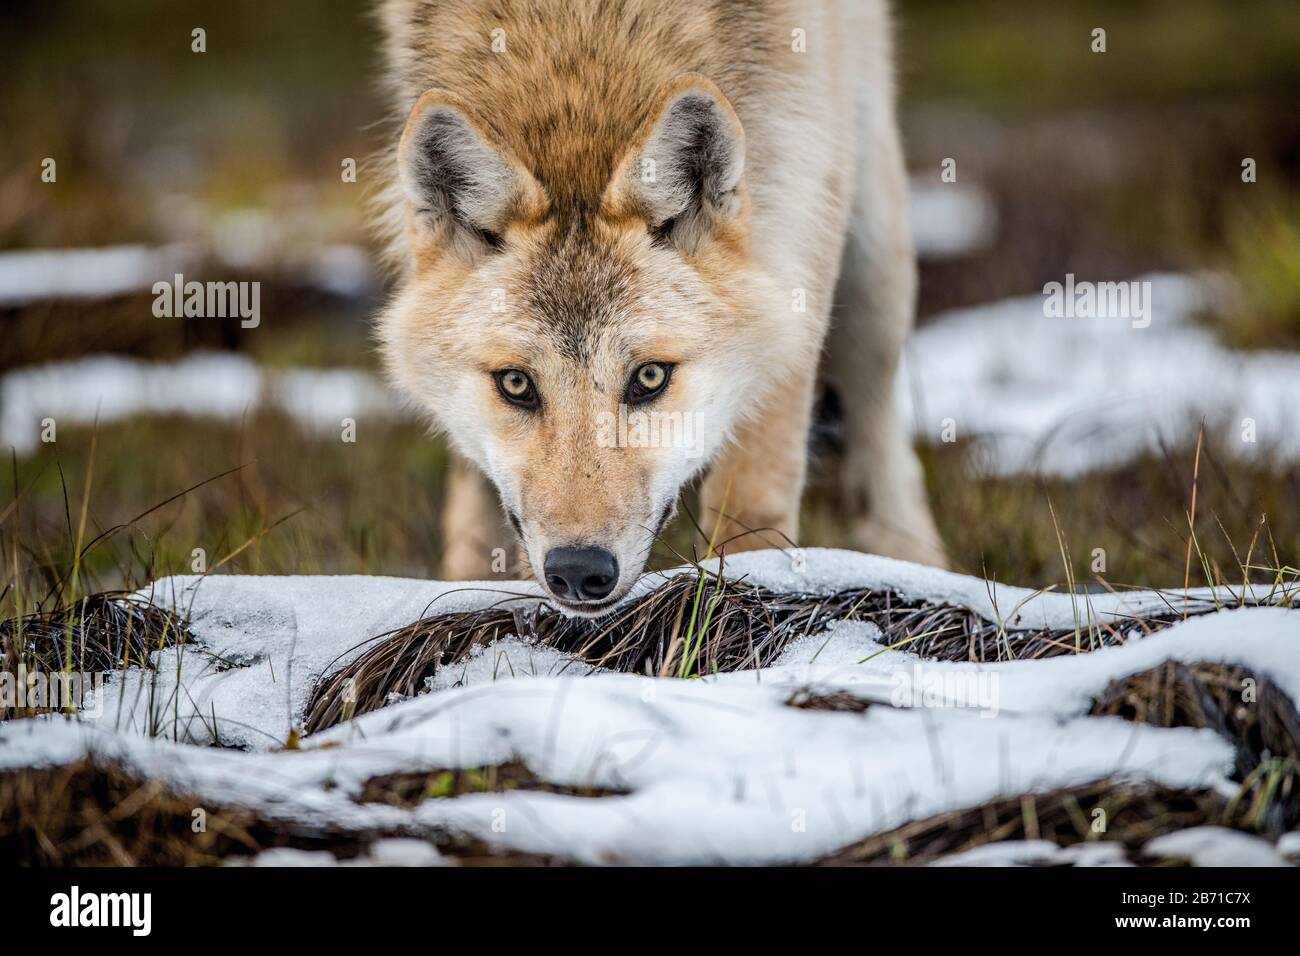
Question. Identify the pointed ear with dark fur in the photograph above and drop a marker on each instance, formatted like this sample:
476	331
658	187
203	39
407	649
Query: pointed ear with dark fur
684	172
455	173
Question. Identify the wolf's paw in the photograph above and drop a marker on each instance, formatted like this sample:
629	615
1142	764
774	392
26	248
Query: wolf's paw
917	540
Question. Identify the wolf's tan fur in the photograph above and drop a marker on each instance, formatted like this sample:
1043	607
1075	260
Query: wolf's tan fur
526	242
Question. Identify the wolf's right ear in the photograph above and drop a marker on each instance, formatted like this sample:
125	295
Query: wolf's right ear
683	174
455	172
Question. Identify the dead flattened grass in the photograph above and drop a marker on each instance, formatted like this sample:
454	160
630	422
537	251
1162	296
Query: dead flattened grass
691	625
98	814
91	814
1131	814
95	635
409	789
1265	730
840	701
101	632
1249	710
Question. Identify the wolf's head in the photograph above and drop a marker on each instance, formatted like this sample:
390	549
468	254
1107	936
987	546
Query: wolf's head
590	356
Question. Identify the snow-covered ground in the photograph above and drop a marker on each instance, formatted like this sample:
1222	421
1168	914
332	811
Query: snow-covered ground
1062	395
718	769
205	385
1067	395
35	275
950	220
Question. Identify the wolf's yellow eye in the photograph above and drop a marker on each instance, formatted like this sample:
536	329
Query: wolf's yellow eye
647	382
516	388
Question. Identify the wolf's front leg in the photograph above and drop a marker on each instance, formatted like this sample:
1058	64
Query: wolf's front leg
882	486
750	498
477	545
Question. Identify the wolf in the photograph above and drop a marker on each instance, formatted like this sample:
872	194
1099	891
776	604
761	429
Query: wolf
673	208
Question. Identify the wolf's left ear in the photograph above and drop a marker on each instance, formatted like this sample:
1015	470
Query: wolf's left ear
454	171
683	173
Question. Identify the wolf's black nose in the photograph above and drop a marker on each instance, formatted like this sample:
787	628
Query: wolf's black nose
581	574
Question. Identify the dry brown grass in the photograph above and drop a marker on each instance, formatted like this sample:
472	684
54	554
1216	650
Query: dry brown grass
99	814
101	632
98	634
1265	731
698	624
1133	815
1252	712
409	789
840	701
88	814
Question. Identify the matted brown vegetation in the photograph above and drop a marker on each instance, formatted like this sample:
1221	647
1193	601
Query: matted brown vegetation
839	701
409	789
697	624
1249	710
92	814
1131	814
99	633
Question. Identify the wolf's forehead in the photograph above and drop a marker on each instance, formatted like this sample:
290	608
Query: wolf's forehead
577	289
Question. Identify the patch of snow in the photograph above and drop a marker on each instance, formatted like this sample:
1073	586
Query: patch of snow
322	398
212	385
404	852
285	633
1069	395
288	856
1288	846
1004	853
342	270
289	632
397	851
844	642
828	570
1039	853
33	275
1214	846
1265	640
1098	853
505	659
950	220
717	773
242	240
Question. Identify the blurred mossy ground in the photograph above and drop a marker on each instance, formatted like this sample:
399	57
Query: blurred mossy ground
1263	256
1009	56
315	504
